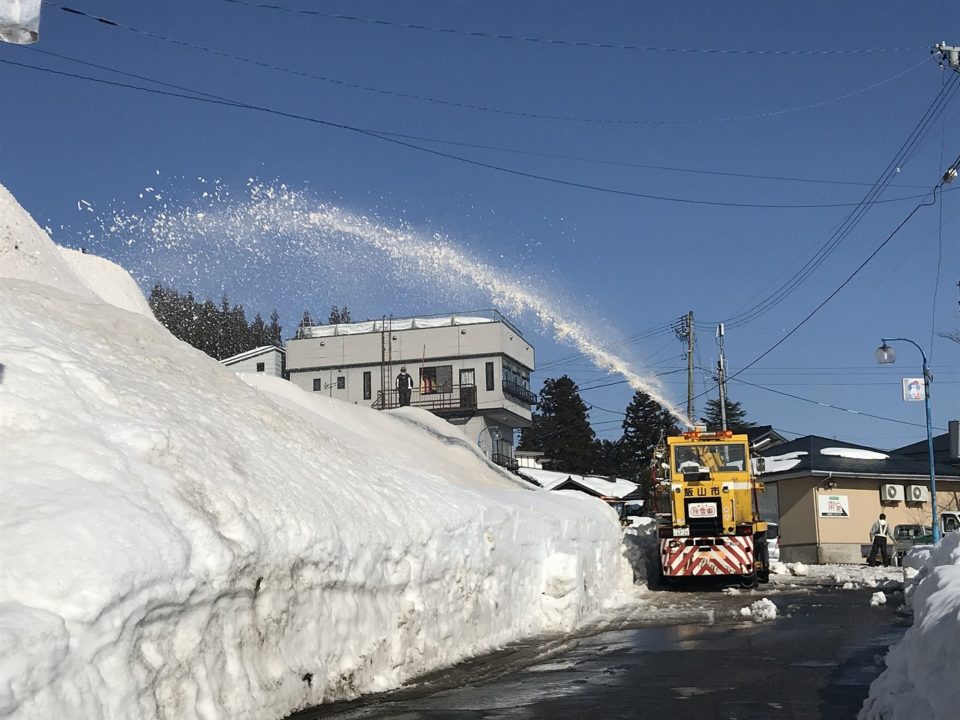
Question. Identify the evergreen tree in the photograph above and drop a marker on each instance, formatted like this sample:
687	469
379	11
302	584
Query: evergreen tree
607	458
561	429
736	417
274	332
334	317
645	424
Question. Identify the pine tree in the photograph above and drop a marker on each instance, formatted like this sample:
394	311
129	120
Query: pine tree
274	332
646	423
334	317
736	417
561	429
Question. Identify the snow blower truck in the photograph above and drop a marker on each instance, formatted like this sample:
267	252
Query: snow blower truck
713	527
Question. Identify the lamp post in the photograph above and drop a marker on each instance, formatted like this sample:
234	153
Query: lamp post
886	356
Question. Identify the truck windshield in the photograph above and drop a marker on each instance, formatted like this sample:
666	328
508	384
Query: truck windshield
716	457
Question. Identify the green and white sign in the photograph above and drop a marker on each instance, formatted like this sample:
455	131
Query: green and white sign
834	505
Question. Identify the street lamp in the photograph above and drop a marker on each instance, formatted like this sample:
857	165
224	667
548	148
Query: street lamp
886	356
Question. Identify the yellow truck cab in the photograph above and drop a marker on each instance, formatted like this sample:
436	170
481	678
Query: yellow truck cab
714	526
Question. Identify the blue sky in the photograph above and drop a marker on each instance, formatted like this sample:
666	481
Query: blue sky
603	116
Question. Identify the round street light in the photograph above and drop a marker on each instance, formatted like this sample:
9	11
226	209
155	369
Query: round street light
886	355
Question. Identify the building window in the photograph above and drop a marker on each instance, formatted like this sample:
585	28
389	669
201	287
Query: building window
516	382
367	386
490	376
317	384
438	379
261	367
341	382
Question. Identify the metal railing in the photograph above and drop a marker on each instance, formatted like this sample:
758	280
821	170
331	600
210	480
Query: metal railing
515	390
507	461
456	399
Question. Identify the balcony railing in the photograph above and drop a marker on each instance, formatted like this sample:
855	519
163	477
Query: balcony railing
457	400
519	392
507	461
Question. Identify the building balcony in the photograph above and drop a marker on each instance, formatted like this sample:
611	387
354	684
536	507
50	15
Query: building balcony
518	392
456	401
507	461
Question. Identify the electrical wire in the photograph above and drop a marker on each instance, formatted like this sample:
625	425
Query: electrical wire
704	119
556	42
203	97
847	225
828	405
936	284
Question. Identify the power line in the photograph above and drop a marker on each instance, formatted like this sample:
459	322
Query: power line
828	405
556	42
846	226
704	119
203	97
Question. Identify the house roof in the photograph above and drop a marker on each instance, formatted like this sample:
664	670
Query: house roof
814	453
262	350
941	450
764	437
598	485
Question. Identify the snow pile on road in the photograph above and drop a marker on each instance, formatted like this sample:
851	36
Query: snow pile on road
921	675
178	542
878	598
762	609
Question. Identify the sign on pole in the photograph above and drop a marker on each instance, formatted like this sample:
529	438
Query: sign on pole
913	389
20	21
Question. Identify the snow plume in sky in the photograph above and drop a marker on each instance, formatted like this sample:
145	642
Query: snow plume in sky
276	225
180	543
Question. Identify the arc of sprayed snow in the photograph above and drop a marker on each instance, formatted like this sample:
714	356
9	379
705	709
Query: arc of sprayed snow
439	256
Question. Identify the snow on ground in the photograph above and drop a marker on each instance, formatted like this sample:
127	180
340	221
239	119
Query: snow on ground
178	542
760	610
921	675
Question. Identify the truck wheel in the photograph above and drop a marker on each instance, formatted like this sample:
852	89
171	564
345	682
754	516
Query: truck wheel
748	581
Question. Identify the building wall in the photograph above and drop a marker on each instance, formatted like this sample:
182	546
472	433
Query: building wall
798	530
463	347
807	537
273	364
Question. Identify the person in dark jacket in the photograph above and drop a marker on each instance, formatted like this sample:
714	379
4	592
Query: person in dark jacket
404	386
880	533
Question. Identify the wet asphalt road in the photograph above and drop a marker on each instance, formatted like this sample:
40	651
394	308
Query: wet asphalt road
694	657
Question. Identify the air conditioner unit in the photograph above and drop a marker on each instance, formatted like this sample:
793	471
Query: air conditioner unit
890	493
918	493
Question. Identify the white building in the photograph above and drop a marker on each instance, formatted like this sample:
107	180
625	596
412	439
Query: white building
473	370
266	359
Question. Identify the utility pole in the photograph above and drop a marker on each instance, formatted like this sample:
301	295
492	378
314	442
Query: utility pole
722	379
690	341
683	329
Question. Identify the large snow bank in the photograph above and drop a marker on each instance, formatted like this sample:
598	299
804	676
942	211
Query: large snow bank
921	675
179	543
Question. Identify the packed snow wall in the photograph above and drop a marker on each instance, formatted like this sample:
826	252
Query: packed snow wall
178	542
920	680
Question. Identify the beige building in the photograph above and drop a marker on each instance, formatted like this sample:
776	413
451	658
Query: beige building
826	494
473	370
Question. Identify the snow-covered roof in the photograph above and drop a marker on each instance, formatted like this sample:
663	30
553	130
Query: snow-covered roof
815	454
370	326
598	484
262	350
854	453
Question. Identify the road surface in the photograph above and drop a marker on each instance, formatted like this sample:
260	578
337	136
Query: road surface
693	657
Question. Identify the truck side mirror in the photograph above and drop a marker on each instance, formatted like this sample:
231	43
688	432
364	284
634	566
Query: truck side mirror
761	465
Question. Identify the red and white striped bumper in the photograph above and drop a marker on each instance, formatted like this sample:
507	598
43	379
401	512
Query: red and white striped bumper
703	556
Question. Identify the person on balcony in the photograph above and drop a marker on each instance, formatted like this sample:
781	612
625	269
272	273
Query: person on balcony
404	387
